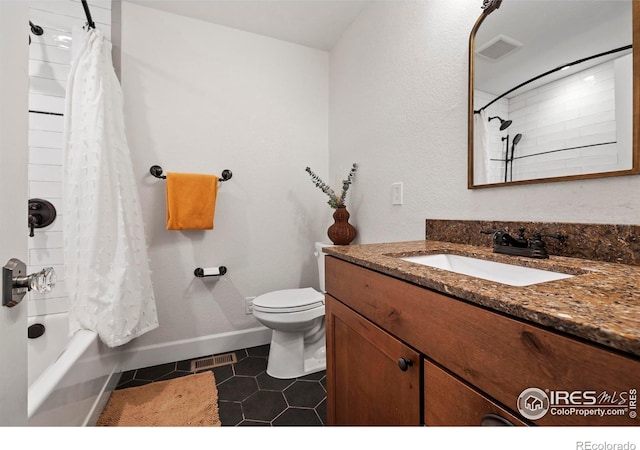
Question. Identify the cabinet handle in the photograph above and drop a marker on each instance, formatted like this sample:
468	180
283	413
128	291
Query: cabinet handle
404	364
494	420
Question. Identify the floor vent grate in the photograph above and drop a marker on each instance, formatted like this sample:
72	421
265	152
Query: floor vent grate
213	361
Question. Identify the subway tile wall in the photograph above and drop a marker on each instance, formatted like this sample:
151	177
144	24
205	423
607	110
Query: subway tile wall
49	65
570	113
577	113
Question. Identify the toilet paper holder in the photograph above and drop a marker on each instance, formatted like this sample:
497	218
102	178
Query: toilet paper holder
210	271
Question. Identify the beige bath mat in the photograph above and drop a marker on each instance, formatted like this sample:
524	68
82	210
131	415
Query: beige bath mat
186	401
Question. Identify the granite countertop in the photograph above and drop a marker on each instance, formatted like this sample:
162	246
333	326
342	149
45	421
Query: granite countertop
601	303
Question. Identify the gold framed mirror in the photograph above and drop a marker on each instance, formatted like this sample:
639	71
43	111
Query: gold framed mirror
554	92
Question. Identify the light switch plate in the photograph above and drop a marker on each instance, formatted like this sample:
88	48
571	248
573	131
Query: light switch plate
396	189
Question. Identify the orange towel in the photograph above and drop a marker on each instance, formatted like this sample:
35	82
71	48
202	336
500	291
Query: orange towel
191	201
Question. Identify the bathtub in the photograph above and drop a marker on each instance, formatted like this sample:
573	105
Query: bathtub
70	377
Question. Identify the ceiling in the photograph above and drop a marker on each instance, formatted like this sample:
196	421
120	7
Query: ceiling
313	23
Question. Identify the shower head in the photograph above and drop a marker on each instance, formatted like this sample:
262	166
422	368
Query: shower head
516	139
504	124
36	29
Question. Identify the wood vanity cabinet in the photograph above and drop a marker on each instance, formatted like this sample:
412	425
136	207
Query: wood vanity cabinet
364	366
469	364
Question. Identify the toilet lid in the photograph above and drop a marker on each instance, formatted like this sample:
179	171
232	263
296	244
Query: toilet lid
289	300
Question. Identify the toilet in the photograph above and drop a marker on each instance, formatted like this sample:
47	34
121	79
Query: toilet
296	317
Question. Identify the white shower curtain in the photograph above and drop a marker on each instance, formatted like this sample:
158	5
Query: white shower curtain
106	265
480	149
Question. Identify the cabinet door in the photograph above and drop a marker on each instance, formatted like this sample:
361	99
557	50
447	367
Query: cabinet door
366	384
450	402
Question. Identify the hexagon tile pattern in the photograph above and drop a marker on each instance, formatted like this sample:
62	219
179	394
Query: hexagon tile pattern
247	395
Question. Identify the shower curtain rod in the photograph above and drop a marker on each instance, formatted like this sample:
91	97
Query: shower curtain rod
549	72
87	12
90	24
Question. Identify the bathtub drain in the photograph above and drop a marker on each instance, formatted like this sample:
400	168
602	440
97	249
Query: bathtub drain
213	361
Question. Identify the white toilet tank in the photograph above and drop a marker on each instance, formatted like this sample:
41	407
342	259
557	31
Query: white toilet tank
320	256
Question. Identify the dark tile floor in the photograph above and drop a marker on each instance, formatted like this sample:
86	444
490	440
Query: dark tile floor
247	395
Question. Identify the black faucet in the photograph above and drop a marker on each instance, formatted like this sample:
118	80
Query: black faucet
535	247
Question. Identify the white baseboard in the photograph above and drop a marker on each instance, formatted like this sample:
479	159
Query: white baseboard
152	355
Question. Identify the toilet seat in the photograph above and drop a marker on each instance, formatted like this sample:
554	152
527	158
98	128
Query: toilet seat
288	301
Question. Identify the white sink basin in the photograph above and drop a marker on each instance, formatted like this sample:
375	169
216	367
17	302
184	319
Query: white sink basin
488	270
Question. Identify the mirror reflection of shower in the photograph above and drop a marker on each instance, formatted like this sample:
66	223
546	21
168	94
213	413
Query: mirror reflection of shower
508	155
504	124
508	158
515	142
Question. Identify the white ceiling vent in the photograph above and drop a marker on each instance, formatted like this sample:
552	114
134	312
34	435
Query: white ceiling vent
498	47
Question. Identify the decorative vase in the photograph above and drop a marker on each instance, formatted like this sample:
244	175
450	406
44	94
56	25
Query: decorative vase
341	232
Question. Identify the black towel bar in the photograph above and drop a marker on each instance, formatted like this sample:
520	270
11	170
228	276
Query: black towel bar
156	171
